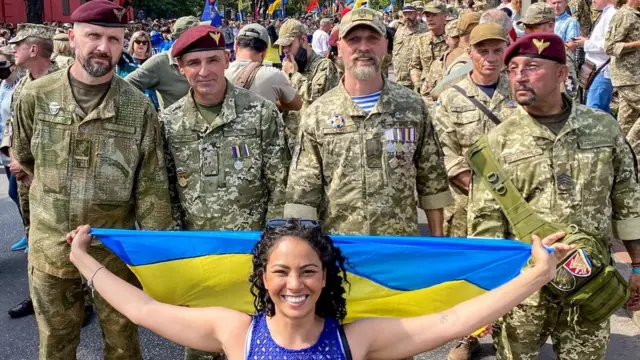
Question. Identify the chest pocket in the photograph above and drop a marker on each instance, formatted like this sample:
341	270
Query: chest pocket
341	151
185	149
399	148
595	169
467	124
116	162
532	175
50	146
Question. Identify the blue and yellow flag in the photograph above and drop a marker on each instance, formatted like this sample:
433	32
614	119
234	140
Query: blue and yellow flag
390	275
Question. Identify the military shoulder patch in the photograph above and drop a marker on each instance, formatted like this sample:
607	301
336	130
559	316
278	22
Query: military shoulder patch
578	264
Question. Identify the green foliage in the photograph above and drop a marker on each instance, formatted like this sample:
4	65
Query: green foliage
169	8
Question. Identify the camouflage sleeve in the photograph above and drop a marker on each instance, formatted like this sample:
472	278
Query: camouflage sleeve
484	215
305	186
153	205
454	160
619	28
432	183
302	85
415	65
177	211
625	195
145	77
324	79
22	127
5	144
276	160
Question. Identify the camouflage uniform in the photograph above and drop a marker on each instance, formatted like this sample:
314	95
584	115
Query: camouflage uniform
319	76
459	124
403	45
362	169
229	175
427	48
581	11
625	73
103	169
599	193
62	61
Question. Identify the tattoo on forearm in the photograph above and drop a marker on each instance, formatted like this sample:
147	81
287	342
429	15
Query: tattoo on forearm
444	318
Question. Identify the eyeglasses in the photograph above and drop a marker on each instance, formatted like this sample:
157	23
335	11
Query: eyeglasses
525	72
276	223
141	42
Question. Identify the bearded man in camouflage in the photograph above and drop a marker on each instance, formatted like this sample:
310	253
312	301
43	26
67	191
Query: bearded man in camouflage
346	172
226	155
91	142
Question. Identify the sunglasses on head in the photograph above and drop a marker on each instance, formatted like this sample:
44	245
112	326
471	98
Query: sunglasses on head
276	223
141	42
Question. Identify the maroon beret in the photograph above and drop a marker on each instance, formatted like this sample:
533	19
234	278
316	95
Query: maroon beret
198	38
101	13
540	45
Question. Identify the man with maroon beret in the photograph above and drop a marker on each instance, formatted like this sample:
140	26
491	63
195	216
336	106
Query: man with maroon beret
573	166
91	141
226	154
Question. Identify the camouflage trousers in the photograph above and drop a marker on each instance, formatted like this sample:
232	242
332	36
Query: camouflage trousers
455	215
192	354
629	114
23	197
59	310
520	334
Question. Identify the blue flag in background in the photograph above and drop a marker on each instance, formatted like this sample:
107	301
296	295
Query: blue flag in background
210	13
397	276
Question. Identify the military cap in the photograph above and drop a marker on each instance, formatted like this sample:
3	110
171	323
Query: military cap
33	30
538	13
61	37
418	5
451	29
185	23
289	31
538	45
451	13
467	22
255	31
408	7
487	31
101	13
435	7
365	17
198	38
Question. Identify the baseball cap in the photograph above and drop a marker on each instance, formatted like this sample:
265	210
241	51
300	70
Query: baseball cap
419	5
362	16
435	7
289	31
183	24
487	31
408	7
33	30
451	29
255	31
538	13
467	22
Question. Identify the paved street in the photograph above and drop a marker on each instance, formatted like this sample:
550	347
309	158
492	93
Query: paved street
19	341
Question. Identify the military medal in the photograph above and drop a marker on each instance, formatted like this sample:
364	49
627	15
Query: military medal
391	147
393	163
388	135
337	122
241	155
54	108
182	177
238	165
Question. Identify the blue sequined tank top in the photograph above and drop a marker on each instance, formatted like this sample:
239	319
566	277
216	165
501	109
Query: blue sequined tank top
259	344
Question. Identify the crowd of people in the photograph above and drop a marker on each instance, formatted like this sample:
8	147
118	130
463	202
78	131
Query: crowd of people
348	124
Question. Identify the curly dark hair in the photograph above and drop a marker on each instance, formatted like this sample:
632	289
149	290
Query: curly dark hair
331	303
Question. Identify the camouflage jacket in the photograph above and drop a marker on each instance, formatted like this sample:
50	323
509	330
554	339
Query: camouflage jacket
403	45
624	28
586	175
359	172
427	49
7	135
581	11
231	174
105	169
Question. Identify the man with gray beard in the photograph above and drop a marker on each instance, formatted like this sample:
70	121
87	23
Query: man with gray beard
371	190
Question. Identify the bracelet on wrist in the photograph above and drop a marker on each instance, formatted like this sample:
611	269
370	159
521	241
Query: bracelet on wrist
636	270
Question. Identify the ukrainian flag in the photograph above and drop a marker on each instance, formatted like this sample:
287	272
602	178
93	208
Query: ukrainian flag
390	275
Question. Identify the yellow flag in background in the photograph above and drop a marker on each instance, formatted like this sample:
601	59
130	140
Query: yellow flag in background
273	7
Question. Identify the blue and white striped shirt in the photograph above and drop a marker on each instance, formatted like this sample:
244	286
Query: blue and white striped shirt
367	102
566	27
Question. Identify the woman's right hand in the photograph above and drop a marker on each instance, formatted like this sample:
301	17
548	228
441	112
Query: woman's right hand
544	261
80	239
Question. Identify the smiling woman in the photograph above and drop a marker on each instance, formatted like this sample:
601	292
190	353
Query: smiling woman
298	284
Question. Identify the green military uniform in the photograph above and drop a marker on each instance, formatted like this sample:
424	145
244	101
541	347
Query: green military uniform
427	49
625	73
403	45
460	124
437	68
581	11
105	169
363	169
230	173
585	175
160	73
62	61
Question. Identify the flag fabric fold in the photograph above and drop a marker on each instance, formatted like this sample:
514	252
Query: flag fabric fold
312	5
389	275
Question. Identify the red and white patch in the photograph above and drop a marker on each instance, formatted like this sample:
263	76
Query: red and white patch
578	264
